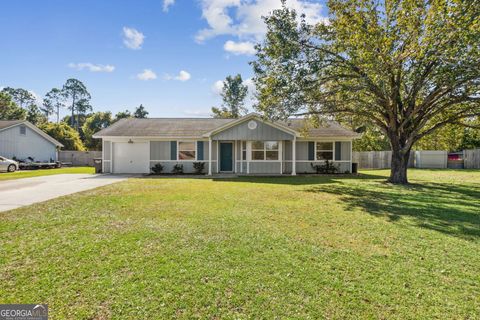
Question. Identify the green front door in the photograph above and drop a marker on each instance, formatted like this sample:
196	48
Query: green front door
226	156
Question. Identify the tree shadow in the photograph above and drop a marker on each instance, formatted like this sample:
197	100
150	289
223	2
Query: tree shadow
300	179
446	208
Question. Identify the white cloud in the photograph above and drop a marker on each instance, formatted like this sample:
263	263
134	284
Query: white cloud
182	76
92	67
243	18
217	87
132	38
167	4
146	75
238	48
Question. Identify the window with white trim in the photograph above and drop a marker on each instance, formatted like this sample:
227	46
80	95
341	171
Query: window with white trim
265	150
324	151
244	150
186	150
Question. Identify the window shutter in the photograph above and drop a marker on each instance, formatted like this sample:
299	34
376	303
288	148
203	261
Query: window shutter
173	150
199	150
311	150
338	150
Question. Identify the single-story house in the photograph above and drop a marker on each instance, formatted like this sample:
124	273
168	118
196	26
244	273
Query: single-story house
20	139
248	145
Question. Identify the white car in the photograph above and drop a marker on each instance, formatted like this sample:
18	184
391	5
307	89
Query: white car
8	165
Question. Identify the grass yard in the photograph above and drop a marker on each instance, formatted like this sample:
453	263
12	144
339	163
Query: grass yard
44	172
291	247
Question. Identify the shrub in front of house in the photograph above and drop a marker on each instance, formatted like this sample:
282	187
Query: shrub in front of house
177	169
199	167
327	168
157	168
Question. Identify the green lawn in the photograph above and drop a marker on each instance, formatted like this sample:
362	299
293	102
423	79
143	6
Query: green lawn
303	247
43	172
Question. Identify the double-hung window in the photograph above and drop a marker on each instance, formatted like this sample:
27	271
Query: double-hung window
244	150
324	151
265	150
186	150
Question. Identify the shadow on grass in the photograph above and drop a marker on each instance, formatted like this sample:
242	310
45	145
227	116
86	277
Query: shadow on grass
300	179
446	208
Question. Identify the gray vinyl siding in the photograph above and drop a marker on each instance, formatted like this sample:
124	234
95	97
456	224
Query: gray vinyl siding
302	150
159	150
14	144
346	149
287	150
107	152
265	167
206	153
107	145
263	131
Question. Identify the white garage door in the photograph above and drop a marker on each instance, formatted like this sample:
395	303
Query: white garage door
131	157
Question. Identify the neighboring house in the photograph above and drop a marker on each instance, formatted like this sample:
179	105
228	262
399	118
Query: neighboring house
248	145
20	139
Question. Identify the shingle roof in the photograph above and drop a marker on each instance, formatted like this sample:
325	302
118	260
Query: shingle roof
163	127
197	127
8	123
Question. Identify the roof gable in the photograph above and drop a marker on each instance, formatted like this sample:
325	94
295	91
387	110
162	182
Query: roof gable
252	128
4	125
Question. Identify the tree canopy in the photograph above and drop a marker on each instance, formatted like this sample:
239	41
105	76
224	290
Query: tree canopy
407	67
52	103
234	92
140	112
94	123
78	96
23	98
9	109
65	134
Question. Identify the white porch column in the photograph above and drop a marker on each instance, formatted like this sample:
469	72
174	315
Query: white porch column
280	147
235	156
249	155
351	155
294	156
210	156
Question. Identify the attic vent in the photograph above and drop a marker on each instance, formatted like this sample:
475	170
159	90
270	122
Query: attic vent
23	130
252	125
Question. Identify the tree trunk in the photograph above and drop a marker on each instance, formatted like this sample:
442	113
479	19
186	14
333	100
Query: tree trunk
398	172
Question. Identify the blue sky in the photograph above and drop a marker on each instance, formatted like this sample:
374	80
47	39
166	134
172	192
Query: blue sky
167	55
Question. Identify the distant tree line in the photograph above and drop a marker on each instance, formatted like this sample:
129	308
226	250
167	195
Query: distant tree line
74	131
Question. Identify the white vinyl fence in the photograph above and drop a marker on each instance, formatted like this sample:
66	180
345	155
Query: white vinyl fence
377	159
418	159
427	159
471	159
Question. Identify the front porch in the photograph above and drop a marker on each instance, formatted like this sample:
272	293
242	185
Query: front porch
276	157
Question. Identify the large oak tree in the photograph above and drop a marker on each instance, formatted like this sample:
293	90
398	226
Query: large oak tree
408	67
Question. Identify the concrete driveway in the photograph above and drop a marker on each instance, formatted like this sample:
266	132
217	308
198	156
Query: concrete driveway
23	192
